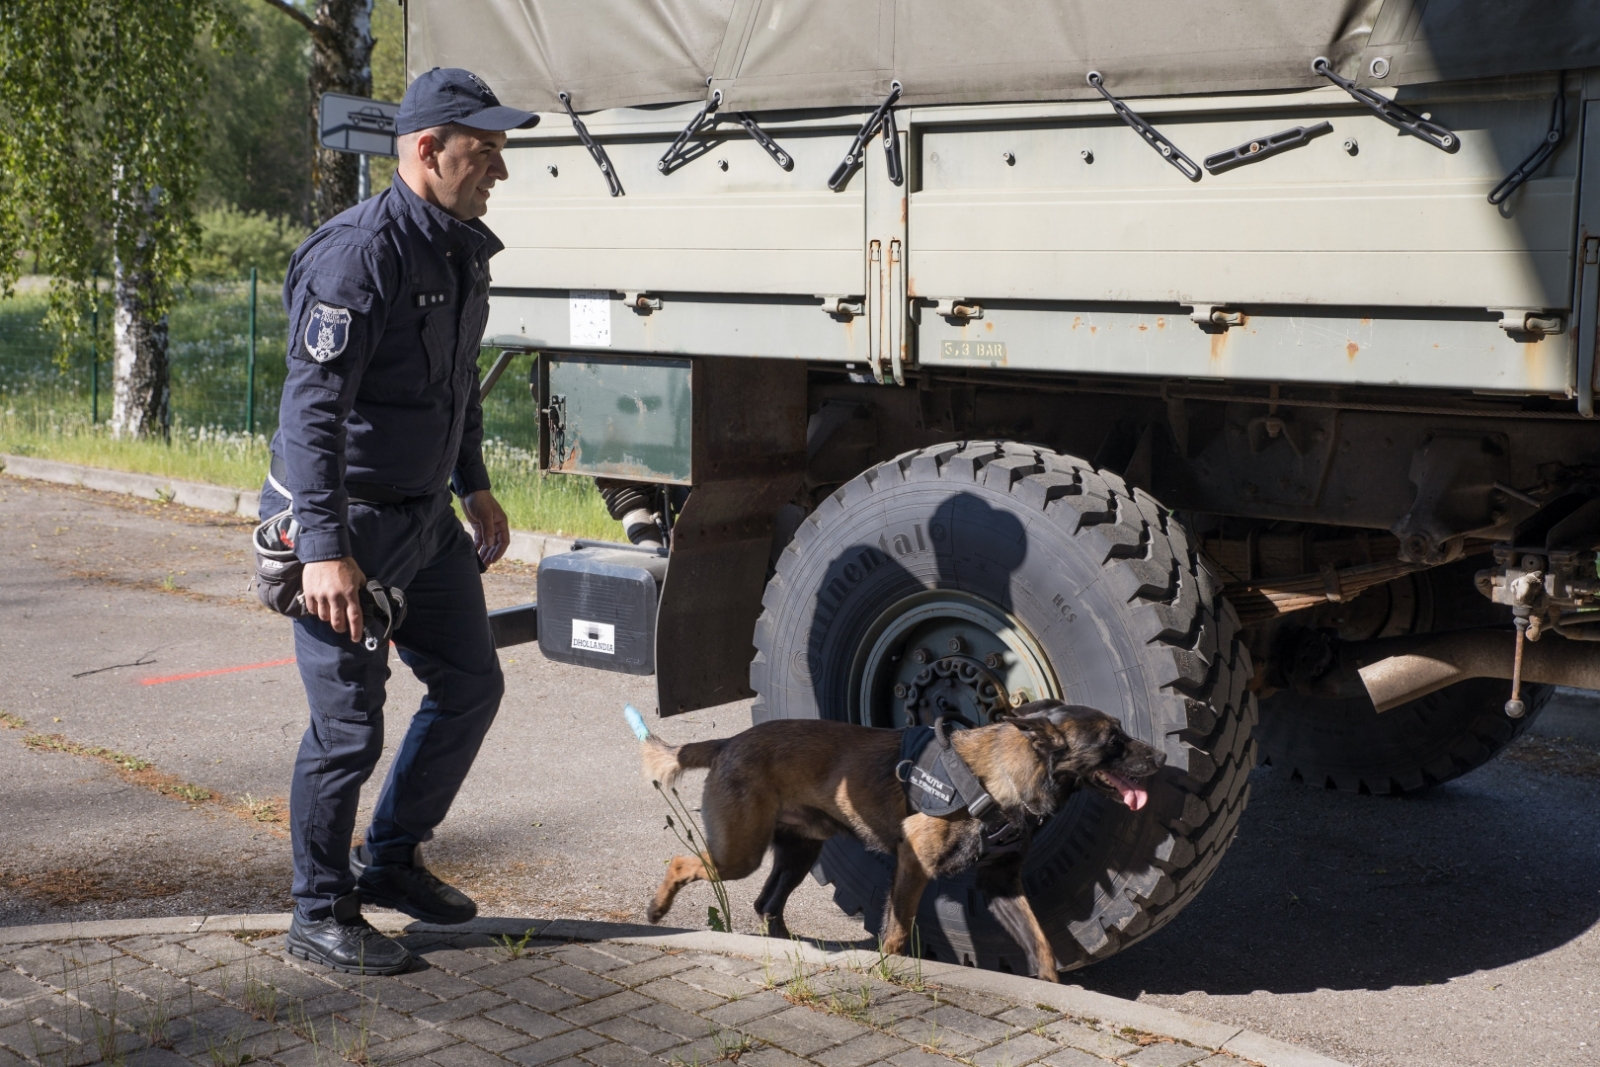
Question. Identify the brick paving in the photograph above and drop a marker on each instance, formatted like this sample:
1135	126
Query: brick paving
475	1000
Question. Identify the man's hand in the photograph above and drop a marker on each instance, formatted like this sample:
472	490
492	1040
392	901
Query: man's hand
332	591
491	532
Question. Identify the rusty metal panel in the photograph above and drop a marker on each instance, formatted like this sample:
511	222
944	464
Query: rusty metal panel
618	417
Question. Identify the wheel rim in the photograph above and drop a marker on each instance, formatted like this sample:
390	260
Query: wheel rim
944	652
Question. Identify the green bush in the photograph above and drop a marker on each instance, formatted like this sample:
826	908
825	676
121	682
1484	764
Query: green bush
233	241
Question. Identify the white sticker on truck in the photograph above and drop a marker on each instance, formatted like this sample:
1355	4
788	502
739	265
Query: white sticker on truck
594	636
589	320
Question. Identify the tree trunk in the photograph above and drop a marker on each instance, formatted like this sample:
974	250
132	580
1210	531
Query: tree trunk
341	62
143	390
142	407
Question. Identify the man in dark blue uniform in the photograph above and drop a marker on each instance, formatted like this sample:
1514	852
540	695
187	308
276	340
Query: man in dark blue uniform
380	420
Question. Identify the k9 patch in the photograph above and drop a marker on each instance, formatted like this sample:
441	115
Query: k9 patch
327	332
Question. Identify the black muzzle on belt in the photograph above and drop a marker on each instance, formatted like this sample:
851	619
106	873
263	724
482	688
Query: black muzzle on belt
938	782
279	574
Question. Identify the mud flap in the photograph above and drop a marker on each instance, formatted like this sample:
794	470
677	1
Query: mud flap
749	458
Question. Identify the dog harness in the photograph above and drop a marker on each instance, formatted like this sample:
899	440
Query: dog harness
939	783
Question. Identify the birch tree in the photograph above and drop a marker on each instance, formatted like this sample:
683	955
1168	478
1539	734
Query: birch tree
100	101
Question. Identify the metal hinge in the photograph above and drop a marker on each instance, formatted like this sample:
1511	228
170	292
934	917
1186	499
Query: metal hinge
640	301
955	308
1204	313
846	306
1528	320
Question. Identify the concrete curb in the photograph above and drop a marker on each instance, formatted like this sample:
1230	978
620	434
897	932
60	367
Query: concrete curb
527	546
150	487
1069	999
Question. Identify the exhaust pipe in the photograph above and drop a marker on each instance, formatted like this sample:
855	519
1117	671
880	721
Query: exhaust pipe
1398	670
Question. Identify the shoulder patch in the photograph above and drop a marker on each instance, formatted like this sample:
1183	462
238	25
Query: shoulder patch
327	332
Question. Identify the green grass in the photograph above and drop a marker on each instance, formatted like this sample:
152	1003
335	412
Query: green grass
45	408
561	504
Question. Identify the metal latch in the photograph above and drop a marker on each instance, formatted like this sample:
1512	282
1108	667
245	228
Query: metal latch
1262	147
882	118
677	152
1542	151
1204	313
596	152
641	301
1399	117
1528	320
846	306
955	308
779	156
1153	137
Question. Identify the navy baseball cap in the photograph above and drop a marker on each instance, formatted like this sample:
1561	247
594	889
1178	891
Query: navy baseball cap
450	94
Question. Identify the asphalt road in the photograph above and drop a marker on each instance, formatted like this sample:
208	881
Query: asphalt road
1460	928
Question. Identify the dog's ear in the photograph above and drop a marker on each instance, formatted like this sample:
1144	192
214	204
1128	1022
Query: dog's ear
1039	731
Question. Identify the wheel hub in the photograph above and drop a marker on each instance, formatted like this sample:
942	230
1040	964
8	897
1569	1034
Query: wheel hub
946	653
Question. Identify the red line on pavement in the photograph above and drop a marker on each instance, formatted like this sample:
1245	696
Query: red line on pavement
217	670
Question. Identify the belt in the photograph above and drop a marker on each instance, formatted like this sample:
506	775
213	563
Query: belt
364	492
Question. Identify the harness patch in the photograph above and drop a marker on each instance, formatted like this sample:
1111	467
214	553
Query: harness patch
944	792
925	776
327	332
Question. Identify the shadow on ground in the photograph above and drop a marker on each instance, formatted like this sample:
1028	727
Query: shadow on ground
1326	890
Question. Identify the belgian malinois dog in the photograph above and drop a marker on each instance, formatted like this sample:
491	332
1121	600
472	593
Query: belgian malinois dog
791	784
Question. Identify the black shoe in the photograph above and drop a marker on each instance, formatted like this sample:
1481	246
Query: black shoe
410	888
346	942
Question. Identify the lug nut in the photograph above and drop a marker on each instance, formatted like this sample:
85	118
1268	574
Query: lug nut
956	645
919	656
992	660
900	692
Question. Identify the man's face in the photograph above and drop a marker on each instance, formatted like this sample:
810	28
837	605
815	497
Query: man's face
463	170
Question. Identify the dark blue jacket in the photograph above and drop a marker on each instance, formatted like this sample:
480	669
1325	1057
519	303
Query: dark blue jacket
387	304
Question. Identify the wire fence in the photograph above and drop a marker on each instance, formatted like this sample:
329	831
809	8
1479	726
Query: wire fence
55	403
219	380
216	384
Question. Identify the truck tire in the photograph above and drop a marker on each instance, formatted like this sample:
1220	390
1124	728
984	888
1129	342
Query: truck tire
1074	580
1345	744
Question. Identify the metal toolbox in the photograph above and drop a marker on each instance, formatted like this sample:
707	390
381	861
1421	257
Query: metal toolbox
597	606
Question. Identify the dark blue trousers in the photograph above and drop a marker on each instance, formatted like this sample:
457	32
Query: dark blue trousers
445	640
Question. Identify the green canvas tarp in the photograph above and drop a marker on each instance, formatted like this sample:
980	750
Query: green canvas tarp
780	54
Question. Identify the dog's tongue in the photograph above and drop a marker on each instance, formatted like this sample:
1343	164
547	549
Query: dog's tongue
1132	795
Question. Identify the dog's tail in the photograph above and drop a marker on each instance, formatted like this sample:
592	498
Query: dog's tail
663	762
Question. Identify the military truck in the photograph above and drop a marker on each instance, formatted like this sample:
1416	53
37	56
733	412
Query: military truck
1229	366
